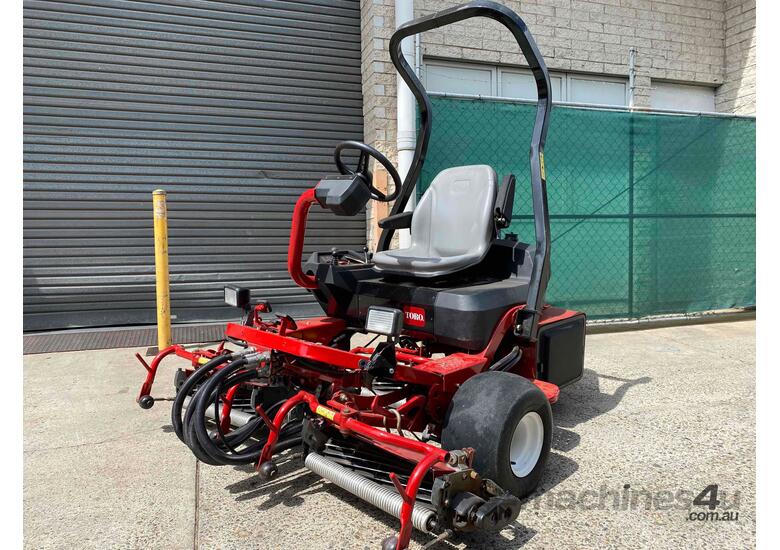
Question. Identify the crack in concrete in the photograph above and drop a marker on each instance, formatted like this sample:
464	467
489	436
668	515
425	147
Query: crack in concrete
196	523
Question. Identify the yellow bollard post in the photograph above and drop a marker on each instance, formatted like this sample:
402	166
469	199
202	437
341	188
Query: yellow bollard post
161	269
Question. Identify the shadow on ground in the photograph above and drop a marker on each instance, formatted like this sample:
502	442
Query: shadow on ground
295	482
582	402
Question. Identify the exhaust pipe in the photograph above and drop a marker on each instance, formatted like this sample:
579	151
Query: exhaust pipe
382	497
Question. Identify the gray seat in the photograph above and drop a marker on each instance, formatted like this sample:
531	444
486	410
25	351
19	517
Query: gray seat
452	225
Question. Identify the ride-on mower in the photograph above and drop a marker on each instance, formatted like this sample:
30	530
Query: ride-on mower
446	422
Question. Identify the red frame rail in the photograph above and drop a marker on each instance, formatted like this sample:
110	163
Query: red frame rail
309	340
430	455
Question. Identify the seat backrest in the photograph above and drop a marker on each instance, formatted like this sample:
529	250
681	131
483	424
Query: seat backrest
455	215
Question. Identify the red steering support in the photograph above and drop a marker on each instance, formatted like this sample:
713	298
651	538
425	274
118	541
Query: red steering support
297	234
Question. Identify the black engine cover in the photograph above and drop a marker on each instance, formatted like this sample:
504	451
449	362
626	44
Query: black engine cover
460	311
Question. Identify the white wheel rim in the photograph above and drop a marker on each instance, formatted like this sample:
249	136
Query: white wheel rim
526	446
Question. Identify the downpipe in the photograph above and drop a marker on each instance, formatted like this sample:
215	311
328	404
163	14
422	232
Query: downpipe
384	498
406	114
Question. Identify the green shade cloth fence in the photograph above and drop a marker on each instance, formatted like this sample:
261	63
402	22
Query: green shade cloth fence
650	213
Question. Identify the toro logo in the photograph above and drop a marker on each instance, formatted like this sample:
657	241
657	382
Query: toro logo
414	316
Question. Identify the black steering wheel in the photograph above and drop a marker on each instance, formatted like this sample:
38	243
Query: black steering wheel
362	170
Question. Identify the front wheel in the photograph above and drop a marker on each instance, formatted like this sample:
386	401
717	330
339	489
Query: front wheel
507	420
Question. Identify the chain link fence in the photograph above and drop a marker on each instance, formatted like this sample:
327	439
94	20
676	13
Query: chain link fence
650	213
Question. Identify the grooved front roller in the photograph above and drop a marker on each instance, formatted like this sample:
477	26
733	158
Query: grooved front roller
384	498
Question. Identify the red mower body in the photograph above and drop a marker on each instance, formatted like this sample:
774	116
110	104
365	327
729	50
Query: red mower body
374	417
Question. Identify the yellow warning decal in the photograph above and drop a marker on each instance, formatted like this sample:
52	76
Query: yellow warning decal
324	411
541	164
203	360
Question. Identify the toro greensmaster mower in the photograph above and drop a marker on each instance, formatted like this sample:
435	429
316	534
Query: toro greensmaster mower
444	423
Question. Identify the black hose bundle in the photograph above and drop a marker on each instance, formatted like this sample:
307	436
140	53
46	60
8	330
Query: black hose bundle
202	432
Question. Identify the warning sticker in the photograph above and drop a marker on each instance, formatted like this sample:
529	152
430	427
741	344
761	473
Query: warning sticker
324	411
541	165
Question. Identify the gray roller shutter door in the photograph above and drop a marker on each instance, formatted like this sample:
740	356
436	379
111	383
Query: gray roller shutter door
233	107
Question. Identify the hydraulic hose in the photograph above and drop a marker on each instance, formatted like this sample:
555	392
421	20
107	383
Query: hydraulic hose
187	387
180	425
204	387
190	438
214	447
217	450
508	361
191	408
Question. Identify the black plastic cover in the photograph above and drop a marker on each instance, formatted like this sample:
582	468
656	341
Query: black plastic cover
343	195
561	352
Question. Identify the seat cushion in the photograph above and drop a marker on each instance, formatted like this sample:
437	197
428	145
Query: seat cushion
452	226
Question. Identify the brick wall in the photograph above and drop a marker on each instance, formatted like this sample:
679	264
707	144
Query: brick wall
738	92
676	40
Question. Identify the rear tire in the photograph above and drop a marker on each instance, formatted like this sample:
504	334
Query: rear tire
508	422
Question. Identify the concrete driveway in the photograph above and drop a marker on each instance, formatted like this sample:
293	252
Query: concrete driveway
659	415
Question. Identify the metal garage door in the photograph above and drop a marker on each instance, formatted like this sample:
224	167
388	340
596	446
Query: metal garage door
233	107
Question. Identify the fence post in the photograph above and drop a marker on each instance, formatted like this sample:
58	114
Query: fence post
161	269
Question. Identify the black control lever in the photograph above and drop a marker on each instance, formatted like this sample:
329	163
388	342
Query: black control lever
337	255
505	202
